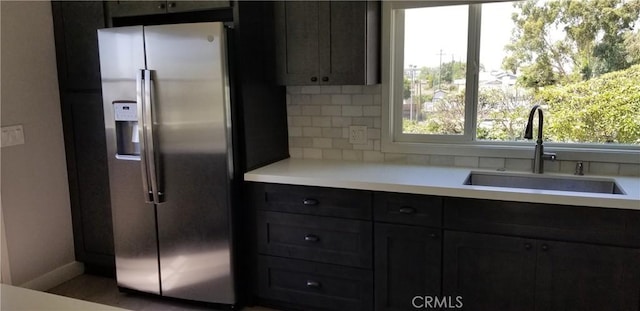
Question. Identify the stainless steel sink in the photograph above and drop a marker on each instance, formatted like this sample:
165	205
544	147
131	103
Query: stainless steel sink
545	182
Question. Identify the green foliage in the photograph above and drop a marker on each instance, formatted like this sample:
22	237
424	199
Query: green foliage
453	70
445	74
445	118
599	38
505	111
602	110
406	89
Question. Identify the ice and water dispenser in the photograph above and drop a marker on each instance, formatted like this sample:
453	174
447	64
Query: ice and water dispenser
127	134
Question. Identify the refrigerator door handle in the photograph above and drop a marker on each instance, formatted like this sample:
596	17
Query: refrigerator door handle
157	194
148	194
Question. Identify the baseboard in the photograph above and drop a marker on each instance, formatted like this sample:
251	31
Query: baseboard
55	277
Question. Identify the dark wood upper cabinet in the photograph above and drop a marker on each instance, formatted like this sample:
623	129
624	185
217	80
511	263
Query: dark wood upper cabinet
137	8
327	42
134	8
77	43
185	6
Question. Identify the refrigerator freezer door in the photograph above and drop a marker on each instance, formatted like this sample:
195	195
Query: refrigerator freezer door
189	101
134	227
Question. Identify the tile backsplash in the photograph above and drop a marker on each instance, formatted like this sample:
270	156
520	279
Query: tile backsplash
319	118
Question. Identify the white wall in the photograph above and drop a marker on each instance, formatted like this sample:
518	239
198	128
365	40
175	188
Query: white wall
35	194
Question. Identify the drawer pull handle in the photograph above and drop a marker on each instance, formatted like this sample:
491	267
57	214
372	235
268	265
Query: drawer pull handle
310	202
311	238
313	284
407	210
545	247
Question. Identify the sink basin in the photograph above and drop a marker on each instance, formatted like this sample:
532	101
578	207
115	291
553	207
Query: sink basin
545	182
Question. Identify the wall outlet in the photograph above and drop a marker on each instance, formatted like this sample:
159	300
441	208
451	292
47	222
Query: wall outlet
12	135
358	134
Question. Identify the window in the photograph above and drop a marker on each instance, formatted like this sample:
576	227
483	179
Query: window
466	74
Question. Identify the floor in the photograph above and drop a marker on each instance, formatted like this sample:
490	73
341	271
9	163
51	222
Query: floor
105	291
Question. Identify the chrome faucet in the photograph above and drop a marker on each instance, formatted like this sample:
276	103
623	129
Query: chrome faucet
539	155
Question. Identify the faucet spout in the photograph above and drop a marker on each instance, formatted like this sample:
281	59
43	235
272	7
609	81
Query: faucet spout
539	155
528	132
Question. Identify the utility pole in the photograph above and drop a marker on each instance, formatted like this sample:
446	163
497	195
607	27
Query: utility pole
412	69
440	70
418	114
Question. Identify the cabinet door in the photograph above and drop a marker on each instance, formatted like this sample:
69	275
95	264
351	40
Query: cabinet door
342	42
489	272
185	6
92	211
135	8
297	30
407	264
572	276
77	43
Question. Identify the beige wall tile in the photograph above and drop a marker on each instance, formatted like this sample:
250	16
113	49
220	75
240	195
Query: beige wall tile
319	118
465	161
494	163
604	168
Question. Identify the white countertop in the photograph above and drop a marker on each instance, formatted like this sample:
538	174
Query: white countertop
17	298
433	180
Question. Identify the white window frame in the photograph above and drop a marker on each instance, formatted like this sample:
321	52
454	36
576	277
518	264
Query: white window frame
394	141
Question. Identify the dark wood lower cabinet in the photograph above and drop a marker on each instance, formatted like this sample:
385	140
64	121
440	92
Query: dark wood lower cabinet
486	255
407	264
573	276
489	272
493	272
315	286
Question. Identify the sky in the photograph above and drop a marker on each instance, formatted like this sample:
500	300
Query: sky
430	30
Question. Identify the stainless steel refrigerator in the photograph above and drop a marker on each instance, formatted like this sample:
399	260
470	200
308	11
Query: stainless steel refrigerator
168	132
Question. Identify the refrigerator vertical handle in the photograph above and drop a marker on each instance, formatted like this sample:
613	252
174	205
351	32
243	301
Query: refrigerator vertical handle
150	139
148	194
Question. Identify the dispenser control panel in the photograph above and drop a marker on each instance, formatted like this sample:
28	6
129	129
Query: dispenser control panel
125	111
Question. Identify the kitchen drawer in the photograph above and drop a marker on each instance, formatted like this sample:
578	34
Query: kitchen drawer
339	241
407	209
315	286
316	201
549	221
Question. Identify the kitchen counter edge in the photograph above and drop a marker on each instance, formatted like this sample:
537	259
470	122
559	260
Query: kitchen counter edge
432	180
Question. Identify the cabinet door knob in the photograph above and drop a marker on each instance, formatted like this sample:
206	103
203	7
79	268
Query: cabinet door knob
314	79
313	284
172	4
161	6
527	245
407	210
433	235
310	202
311	238
325	79
545	247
